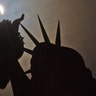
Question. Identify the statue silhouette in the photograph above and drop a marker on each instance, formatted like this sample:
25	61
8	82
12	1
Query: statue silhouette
11	49
56	70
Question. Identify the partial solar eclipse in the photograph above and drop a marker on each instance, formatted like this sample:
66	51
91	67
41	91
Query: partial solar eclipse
1	10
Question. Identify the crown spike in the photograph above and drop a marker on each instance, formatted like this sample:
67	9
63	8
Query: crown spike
43	31
30	35
28	51
58	39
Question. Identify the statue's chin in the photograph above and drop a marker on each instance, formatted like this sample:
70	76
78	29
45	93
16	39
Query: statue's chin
3	85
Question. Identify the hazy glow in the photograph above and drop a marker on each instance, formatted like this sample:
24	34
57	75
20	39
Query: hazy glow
1	9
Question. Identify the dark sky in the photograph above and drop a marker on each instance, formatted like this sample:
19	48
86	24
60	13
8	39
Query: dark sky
78	26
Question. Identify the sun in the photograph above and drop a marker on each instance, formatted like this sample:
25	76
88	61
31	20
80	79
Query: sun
1	10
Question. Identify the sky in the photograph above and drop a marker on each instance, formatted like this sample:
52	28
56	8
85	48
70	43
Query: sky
77	23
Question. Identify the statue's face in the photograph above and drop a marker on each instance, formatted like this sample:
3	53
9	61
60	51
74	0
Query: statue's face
45	69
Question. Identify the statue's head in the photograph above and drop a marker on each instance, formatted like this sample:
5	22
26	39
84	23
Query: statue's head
11	48
53	67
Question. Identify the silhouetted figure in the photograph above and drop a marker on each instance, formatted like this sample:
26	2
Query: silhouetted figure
56	70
